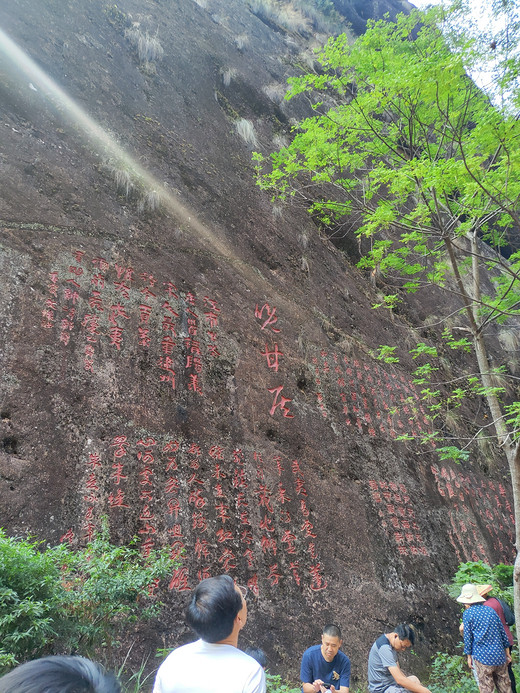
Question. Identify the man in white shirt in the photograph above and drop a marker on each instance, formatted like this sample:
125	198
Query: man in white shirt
213	664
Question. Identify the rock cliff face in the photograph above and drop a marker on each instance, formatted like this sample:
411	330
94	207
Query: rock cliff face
194	363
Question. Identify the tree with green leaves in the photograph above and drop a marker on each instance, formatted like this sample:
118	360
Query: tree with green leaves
406	148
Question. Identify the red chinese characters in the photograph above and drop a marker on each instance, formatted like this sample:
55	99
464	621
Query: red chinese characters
371	400
267	320
462	493
215	509
398	516
123	303
51	303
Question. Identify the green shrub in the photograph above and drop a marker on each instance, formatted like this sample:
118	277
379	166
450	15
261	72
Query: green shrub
480	573
450	674
31	597
276	685
61	600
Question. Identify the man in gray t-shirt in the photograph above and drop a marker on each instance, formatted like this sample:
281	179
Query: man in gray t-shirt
384	672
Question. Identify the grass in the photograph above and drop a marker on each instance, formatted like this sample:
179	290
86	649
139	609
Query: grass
148	47
246	130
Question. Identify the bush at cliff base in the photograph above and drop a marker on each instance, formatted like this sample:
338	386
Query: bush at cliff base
60	600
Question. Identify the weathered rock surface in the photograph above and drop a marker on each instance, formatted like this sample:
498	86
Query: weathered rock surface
201	373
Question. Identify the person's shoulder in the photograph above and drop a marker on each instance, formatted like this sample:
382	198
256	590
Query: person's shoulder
180	652
382	641
245	663
342	657
240	654
311	650
188	647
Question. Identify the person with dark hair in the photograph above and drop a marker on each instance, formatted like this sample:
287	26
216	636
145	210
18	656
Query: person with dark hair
325	666
258	654
217	613
59	674
384	673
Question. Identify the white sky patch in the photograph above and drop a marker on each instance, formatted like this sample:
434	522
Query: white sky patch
482	18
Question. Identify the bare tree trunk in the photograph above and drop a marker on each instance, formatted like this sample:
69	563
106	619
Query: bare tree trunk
511	449
513	454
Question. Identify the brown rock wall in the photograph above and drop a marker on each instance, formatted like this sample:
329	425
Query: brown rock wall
202	374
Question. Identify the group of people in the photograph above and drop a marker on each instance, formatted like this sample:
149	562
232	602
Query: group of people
217	613
325	668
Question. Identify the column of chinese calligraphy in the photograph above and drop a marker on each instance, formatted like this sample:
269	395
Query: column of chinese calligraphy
117	313
245	529
268	534
91	500
170	502
193	363
268	319
118	481
371	399
219	510
221	505
397	516
485	499
169	316
91	319
51	303
115	304
317	380
70	298
148	522
318	582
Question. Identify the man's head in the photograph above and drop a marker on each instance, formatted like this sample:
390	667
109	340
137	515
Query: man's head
215	605
404	637
330	642
59	674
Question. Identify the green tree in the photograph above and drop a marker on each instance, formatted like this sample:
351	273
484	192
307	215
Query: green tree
405	146
62	600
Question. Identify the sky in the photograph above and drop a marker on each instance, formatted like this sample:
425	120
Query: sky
481	15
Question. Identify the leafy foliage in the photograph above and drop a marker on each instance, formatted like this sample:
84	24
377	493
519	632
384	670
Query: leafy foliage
480	573
275	684
450	674
30	599
409	144
61	600
490	47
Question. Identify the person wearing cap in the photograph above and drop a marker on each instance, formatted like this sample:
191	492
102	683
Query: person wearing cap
384	673
485	642
496	605
217	613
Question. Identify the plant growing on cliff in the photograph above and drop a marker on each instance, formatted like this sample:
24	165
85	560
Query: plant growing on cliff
431	168
480	573
61	600
275	684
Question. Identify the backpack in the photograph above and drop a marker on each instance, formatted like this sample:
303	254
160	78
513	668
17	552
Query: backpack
508	614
